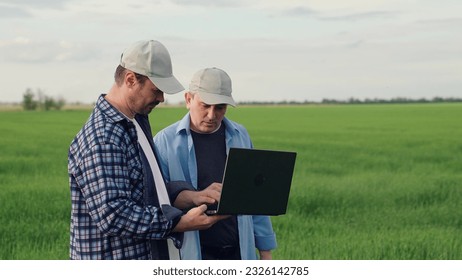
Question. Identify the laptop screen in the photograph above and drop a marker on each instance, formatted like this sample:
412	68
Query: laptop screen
256	182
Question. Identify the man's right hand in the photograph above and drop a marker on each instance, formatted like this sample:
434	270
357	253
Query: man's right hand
196	219
210	195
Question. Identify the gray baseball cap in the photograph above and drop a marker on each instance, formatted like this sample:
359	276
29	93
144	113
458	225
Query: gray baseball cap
213	86
151	59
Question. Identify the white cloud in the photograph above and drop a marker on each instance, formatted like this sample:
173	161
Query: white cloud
13	12
362	16
36	4
210	3
24	50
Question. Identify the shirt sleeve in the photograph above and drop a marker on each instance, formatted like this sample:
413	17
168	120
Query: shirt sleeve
175	187
113	201
265	238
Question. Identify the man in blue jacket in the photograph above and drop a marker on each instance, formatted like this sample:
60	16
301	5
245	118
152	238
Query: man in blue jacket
194	149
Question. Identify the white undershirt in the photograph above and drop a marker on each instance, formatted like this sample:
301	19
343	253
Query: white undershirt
158	180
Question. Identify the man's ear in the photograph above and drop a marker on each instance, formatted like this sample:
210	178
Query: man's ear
188	98
130	79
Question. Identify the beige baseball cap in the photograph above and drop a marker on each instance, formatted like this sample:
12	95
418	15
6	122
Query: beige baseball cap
213	86
151	59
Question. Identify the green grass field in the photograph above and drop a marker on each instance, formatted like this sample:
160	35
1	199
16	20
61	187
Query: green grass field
371	181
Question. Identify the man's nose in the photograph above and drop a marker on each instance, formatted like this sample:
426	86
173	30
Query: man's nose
211	113
160	97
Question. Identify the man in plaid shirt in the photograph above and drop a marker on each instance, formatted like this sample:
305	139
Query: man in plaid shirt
115	209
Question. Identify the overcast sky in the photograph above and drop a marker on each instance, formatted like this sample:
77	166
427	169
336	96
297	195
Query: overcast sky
273	50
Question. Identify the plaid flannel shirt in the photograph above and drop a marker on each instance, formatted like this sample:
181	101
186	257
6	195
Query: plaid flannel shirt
109	218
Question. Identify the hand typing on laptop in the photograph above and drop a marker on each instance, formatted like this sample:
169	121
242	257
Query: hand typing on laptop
209	196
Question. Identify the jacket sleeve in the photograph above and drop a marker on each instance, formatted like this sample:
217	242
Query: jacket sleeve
109	198
265	238
175	187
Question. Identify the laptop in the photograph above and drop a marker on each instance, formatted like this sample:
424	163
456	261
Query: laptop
256	182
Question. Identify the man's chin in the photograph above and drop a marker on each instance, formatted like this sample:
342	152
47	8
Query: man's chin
208	129
148	109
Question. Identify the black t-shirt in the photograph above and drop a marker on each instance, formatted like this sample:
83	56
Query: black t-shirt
210	152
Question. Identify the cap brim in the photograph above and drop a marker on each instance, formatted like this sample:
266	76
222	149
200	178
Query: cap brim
213	99
167	85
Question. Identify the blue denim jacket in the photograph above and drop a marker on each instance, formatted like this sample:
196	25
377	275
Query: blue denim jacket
177	160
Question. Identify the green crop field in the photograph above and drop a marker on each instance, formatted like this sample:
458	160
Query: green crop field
371	181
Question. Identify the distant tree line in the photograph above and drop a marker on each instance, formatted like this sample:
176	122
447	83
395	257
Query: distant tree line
39	101
352	100
393	100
